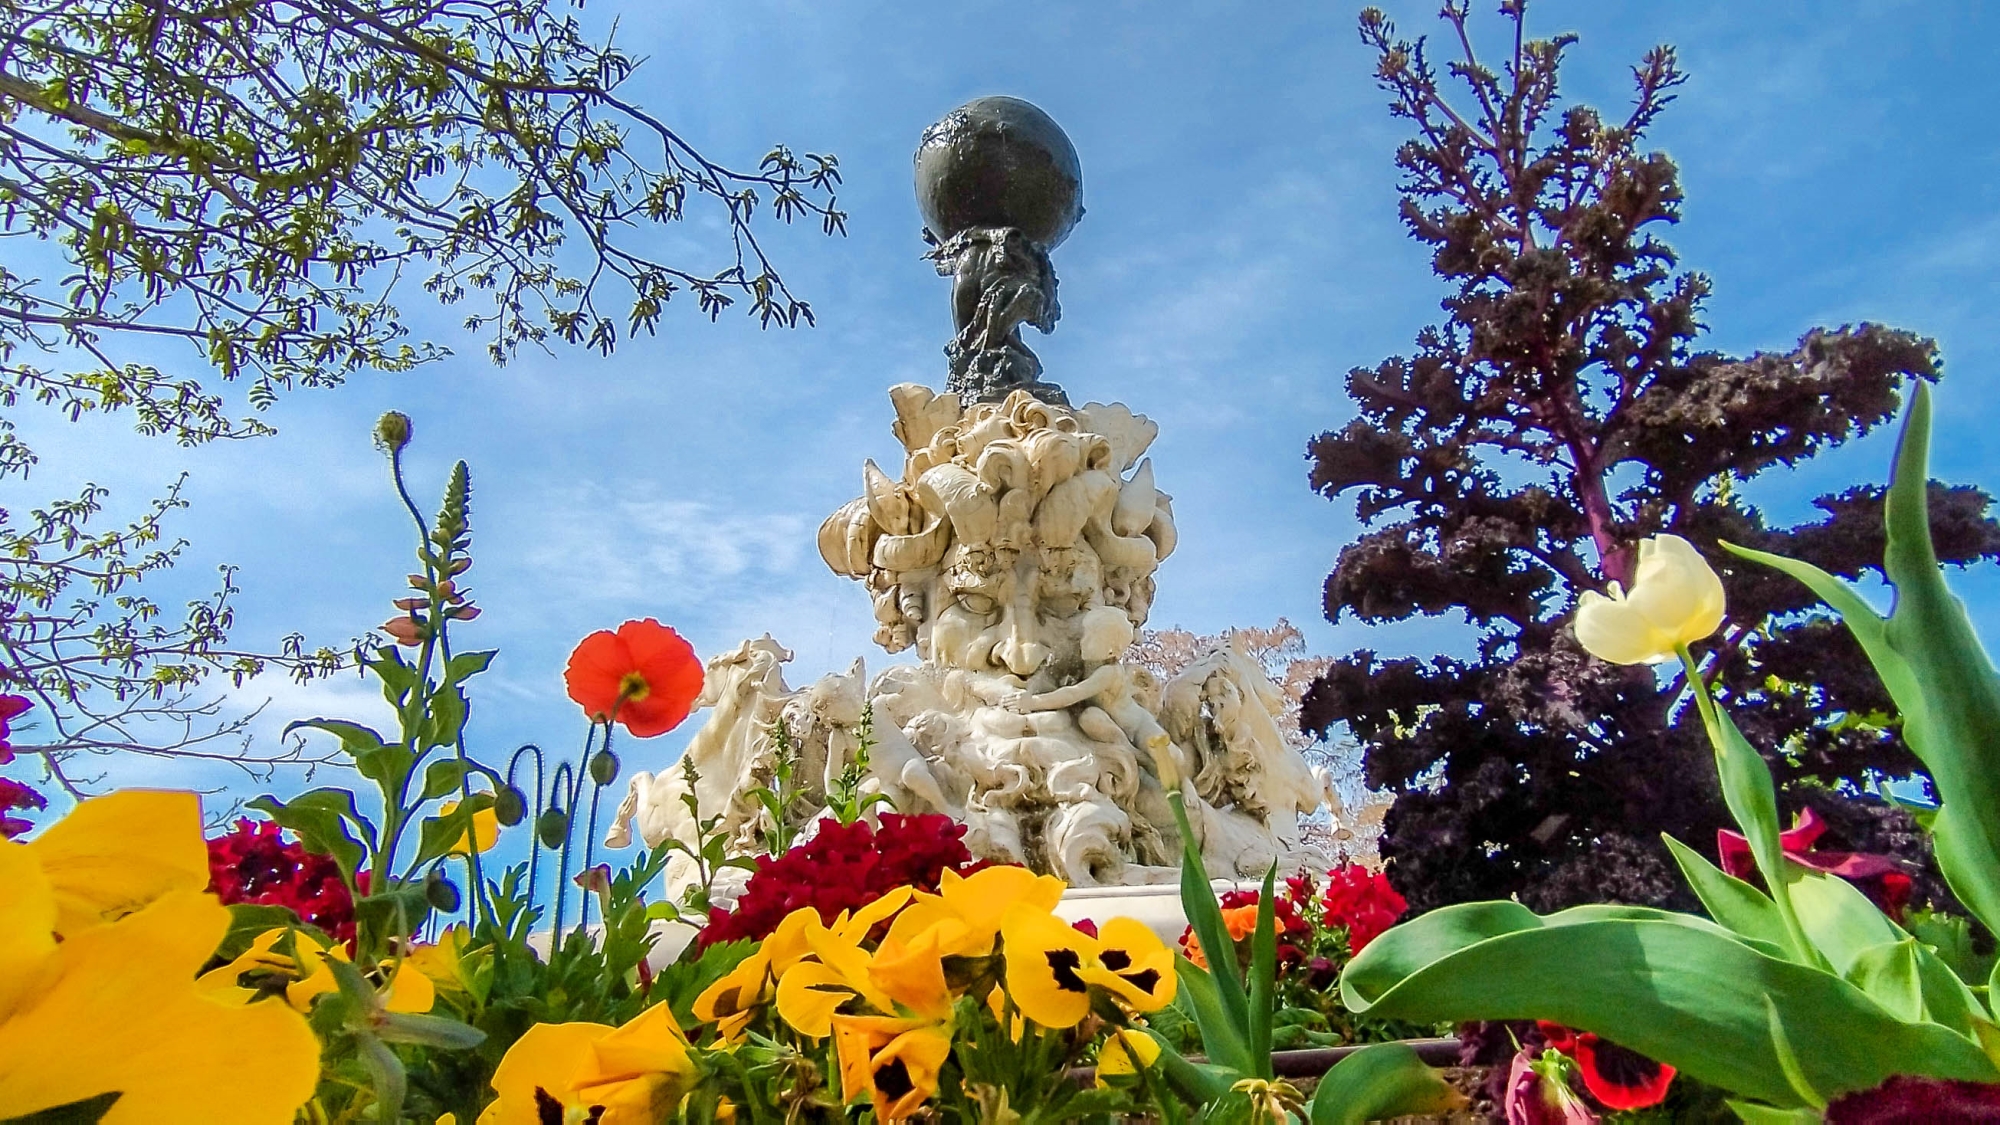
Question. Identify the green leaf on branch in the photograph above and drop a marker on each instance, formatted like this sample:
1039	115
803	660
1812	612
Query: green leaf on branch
443	777
354	738
428	1031
321	829
1670	986
398	678
447	717
248	921
440	834
466	665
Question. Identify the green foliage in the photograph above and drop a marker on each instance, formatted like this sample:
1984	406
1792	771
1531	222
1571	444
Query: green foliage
210	196
844	797
1796	996
710	853
251	179
1236	1018
1565	408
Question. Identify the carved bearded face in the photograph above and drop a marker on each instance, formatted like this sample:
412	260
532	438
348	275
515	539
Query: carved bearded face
1017	611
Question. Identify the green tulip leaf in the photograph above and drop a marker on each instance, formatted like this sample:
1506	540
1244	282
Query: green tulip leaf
1377	1082
1670	986
1225	1040
1733	903
1840	920
1204	914
1935	669
1263	975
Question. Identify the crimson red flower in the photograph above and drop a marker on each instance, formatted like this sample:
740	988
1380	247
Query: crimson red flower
844	867
1618	1077
1363	901
254	863
644	675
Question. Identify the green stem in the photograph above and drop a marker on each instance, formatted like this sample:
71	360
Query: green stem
1762	833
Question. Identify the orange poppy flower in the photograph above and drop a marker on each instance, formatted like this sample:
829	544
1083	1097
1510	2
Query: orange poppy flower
644	674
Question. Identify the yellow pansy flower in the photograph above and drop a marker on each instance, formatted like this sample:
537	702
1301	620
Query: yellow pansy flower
967	909
1051	965
485	829
1125	1052
114	1007
630	1075
811	991
1675	600
731	1003
893	1062
439	962
409	990
114	854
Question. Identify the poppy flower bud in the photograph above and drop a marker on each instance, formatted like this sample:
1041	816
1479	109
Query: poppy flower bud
1675	600
392	432
604	768
552	828
510	806
442	894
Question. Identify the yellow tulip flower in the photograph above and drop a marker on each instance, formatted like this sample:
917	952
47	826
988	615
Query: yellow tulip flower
894	1062
114	854
630	1075
114	1007
1675	600
1052	965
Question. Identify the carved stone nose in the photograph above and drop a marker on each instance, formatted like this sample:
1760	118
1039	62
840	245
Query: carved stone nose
1021	656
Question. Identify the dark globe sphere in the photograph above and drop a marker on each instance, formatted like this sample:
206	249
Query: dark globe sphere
999	162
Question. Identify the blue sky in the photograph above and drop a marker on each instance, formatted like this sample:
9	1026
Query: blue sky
1240	253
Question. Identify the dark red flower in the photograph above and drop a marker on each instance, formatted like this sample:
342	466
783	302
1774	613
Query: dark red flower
844	867
16	795
254	863
11	707
645	675
1085	926
1879	876
1904	1100
1363	901
1618	1077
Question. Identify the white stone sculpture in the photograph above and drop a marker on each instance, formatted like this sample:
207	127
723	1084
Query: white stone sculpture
1016	552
